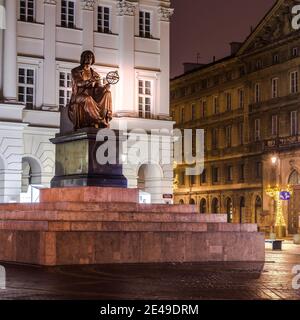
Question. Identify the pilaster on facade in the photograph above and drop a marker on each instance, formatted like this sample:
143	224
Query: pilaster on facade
126	8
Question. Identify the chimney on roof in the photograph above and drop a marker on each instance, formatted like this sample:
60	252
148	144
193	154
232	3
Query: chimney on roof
235	46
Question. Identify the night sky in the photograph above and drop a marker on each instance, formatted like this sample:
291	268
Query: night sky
208	26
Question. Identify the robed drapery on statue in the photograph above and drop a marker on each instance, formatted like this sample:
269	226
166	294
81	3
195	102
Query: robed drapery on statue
91	102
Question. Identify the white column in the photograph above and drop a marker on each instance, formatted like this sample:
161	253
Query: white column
49	91
2	26
88	24
164	99
10	52
126	102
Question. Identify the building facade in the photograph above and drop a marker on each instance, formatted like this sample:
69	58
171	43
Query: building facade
41	43
248	105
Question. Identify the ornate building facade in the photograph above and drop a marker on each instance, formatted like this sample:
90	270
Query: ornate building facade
249	106
41	43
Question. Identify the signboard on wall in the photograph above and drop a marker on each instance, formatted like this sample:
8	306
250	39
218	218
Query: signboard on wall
285	195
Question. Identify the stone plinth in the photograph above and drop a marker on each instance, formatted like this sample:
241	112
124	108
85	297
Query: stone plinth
76	161
91	225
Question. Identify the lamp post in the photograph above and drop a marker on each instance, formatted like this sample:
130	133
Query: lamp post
275	193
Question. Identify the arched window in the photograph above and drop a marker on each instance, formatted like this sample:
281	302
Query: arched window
181	201
229	209
242	209
258	208
203	206
192	201
215	205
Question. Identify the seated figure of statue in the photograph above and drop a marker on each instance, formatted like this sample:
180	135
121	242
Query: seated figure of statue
91	102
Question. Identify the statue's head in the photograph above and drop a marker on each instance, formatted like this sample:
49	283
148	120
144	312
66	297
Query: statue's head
87	58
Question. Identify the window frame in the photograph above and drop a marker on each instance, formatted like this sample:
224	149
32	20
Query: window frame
26	85
26	11
66	23
101	29
142	24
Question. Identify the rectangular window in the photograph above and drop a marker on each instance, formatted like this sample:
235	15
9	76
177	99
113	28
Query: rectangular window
294	123
229	173
257	130
182	178
214	138
65	88
204	109
295	52
67	14
241	133
203	177
182	117
241	98
294	82
257	93
145	24
228	136
275	88
27	8
193	113
215	174
242	172
274	125
275	58
228	101
26	87
192	180
103	19
216	105
258	170
145	99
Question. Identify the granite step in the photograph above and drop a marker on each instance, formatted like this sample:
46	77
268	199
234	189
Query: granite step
54	215
124	226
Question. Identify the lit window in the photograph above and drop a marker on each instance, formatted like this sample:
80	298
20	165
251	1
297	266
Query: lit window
27	10
65	89
67	14
294	82
145	99
26	87
275	88
294	123
103	19
145	24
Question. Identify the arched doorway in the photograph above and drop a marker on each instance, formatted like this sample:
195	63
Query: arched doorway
203	208
31	180
215	205
150	182
294	204
229	209
192	201
258	209
242	209
181	201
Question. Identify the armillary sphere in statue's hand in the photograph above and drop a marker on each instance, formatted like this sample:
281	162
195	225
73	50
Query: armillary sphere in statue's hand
113	77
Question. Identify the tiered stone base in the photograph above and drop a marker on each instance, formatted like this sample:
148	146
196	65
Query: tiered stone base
91	225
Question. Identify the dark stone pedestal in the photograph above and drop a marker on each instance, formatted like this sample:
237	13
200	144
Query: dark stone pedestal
76	163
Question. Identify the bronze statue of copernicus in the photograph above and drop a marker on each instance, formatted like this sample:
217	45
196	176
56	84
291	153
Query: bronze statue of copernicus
91	102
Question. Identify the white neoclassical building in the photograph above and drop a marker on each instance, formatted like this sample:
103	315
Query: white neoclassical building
40	42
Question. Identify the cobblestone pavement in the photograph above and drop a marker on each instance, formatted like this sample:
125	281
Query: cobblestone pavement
273	280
